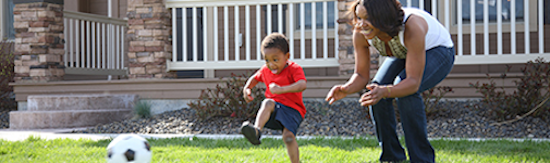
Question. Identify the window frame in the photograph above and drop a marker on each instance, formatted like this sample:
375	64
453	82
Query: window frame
480	21
308	32
4	24
520	25
2	19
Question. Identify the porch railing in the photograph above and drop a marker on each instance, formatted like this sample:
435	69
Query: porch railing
227	34
94	44
501	32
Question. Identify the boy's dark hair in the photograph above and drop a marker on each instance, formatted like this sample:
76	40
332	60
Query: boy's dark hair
275	40
386	15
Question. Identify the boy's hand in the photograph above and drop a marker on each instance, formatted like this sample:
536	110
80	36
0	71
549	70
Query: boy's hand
247	95
275	89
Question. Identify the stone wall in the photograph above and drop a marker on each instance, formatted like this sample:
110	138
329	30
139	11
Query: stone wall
39	43
346	50
149	32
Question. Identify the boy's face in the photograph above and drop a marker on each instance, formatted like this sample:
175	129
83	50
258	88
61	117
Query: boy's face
275	59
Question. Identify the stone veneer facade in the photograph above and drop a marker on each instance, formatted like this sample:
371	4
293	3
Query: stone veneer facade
346	50
38	41
39	45
149	32
149	23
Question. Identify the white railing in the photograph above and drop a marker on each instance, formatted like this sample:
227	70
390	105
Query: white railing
496	35
94	44
213	47
499	18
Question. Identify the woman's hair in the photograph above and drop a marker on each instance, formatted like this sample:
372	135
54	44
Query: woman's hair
275	40
386	15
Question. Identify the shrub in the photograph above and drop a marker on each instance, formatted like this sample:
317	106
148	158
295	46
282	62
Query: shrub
431	98
7	100
226	100
142	109
531	89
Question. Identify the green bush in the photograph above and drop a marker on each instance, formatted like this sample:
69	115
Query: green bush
432	98
142	109
226	100
531	89
7	101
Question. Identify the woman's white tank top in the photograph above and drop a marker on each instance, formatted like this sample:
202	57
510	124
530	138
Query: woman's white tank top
437	35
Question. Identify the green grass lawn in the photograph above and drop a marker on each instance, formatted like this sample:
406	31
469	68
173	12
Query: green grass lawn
271	150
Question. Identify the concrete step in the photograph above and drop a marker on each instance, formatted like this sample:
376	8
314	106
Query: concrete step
81	102
66	118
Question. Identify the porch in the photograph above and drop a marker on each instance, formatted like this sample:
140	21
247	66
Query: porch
211	39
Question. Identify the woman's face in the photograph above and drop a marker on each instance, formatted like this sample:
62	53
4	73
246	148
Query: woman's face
363	25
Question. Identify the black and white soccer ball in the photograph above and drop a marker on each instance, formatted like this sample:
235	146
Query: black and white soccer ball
129	148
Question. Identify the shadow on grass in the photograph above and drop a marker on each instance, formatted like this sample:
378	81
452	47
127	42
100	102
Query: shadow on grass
241	143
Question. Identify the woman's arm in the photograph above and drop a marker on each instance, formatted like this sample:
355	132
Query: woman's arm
414	39
361	75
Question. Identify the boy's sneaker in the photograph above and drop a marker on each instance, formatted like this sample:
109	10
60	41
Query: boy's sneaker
251	133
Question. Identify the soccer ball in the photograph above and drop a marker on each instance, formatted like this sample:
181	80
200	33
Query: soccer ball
128	148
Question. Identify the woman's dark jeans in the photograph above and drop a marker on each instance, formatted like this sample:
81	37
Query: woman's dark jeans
439	62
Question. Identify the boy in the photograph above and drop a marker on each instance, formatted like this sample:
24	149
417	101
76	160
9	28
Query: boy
283	108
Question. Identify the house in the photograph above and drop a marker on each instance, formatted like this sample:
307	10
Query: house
170	50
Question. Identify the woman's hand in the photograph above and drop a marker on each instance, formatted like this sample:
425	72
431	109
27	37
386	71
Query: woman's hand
336	93
372	97
247	95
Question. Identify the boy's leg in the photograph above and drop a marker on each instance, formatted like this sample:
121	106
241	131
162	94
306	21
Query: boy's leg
268	106
291	146
253	133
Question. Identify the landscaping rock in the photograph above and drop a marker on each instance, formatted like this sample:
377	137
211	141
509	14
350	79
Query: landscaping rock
456	119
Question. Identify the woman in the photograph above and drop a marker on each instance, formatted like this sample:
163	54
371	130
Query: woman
421	54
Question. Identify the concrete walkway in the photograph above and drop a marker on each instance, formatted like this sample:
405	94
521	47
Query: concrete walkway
49	134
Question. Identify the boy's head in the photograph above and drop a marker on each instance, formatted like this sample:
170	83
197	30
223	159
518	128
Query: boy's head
275	51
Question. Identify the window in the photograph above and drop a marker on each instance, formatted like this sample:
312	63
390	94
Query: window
6	16
189	39
478	7
318	15
275	18
416	4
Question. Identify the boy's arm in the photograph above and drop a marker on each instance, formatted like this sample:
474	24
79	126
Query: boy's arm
298	86
250	83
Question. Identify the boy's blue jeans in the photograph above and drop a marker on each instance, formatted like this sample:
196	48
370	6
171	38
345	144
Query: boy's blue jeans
439	62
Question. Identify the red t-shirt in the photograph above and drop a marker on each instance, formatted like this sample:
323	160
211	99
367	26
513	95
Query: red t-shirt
290	74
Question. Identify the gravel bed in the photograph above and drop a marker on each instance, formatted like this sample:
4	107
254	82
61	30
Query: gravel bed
4	119
346	117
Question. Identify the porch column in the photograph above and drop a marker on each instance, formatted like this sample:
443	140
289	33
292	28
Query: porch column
346	57
149	32
39	43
